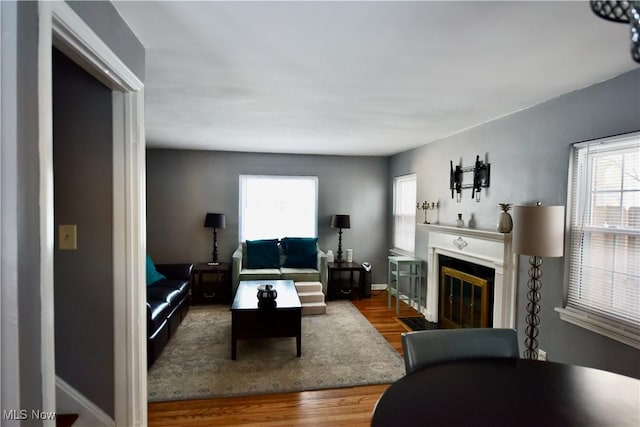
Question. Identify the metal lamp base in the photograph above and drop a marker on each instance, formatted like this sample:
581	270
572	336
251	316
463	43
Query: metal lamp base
533	308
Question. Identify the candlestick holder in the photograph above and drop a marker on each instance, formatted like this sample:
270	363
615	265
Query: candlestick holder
426	207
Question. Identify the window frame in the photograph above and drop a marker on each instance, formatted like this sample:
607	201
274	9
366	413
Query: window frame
241	198
618	330
396	180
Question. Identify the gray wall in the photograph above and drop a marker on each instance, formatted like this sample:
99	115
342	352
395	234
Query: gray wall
9	331
183	185
83	188
529	156
25	184
106	22
27	206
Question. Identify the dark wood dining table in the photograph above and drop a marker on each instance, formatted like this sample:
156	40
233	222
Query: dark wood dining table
509	392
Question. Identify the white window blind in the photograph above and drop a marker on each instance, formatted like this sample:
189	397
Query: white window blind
604	263
404	212
273	207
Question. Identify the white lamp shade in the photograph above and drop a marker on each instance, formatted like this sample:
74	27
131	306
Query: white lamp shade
538	230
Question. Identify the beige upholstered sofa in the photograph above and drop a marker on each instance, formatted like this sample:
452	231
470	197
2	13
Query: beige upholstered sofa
281	270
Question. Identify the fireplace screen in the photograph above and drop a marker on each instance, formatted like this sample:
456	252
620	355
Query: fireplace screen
464	300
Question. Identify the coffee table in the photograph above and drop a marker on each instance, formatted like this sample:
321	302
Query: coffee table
248	321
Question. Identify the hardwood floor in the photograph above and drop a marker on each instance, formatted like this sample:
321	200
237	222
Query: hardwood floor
333	407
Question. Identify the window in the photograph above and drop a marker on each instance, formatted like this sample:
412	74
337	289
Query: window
404	213
278	206
603	290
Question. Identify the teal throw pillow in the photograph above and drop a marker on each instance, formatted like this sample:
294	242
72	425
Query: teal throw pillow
152	274
263	254
301	252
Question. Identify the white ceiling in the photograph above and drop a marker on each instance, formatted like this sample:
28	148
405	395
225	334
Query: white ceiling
358	78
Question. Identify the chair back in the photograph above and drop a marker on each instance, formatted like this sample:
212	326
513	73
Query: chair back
424	348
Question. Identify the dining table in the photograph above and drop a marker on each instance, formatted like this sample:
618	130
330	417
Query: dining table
509	392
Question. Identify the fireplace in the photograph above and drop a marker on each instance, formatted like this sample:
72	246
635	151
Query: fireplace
465	294
482	248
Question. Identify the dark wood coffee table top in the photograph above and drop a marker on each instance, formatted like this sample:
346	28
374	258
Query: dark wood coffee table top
248	321
247	295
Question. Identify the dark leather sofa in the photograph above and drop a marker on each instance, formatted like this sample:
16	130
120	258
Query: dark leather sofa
167	306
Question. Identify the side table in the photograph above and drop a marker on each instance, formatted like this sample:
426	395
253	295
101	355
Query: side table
413	274
337	286
211	283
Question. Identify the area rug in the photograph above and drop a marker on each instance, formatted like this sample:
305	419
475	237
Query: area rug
339	349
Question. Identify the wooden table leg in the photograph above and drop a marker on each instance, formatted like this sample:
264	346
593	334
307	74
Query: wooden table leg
299	335
234	338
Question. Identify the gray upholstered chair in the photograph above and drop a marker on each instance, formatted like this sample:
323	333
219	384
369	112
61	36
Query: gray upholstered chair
424	348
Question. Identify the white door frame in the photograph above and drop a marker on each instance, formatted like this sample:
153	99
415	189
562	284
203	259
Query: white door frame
61	27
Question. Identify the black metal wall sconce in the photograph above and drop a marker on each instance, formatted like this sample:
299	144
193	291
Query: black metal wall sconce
481	172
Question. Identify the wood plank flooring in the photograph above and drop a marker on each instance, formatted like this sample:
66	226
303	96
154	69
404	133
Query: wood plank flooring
333	407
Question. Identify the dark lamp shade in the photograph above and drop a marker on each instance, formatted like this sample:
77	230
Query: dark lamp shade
214	220
538	230
340	221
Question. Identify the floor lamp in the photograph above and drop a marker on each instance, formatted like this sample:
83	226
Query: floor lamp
215	221
538	231
340	222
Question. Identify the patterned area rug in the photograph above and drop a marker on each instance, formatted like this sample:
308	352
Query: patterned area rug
339	349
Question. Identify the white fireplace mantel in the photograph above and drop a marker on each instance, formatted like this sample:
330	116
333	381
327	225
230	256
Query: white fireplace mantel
488	248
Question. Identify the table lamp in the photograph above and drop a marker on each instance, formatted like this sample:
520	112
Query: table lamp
340	222
215	221
538	231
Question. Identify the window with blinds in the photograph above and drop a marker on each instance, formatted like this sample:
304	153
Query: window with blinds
604	253
273	207
404	213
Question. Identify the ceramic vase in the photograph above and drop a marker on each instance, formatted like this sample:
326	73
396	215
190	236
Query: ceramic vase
460	221
505	222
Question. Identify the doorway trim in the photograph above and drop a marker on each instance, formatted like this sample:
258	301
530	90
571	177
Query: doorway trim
61	27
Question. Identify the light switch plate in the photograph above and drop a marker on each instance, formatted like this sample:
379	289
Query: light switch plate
67	237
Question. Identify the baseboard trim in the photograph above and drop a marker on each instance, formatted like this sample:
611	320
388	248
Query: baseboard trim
379	286
70	401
